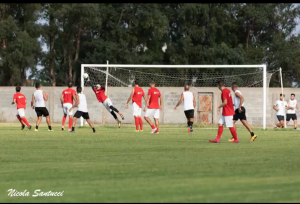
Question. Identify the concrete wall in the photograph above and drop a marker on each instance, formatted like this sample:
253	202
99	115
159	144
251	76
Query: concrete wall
119	96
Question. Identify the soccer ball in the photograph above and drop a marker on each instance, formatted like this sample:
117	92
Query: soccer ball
85	75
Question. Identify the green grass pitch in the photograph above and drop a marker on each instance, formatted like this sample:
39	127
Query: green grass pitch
119	165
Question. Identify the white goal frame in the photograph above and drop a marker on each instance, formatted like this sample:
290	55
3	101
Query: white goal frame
107	66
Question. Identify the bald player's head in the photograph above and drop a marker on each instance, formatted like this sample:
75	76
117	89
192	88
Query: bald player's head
186	87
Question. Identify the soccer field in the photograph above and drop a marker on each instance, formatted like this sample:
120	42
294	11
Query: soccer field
119	165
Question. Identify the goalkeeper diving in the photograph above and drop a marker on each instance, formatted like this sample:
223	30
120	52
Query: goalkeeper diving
99	91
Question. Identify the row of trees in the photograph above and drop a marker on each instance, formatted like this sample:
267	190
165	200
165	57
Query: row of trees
127	33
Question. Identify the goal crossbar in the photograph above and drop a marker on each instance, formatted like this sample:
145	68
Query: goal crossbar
172	66
263	66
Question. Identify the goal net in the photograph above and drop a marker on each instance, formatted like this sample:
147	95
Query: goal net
168	77
178	75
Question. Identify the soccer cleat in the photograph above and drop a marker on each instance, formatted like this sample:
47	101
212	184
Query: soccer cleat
192	130
153	130
23	126
156	132
215	140
235	141
122	116
253	138
119	124
72	132
36	130
29	128
189	129
94	131
136	130
50	130
62	128
231	140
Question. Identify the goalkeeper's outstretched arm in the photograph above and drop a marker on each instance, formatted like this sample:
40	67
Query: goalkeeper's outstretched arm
90	84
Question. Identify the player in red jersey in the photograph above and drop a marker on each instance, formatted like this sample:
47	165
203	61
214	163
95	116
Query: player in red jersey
20	100
136	95
153	107
67	97
102	98
227	114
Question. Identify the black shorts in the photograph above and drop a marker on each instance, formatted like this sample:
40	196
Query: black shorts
79	114
189	113
41	111
280	117
240	116
291	116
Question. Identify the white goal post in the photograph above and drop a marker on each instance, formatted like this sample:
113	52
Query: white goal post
143	66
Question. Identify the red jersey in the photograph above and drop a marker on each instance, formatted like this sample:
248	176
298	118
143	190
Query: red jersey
228	109
20	100
137	96
68	95
100	94
155	94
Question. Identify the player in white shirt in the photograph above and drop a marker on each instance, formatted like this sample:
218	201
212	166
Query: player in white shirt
189	104
39	97
291	111
82	110
280	108
240	111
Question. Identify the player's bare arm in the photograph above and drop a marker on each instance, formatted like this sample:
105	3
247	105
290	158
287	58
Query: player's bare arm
32	101
274	107
145	99
75	98
14	101
194	101
130	97
241	100
147	102
45	96
77	102
161	103
224	103
179	102
148	99
290	107
62	100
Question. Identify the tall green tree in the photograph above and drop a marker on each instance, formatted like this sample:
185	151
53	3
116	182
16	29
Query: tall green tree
20	48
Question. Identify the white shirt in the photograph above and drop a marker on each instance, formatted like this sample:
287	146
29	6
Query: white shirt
293	103
39	98
188	100
280	107
82	103
237	100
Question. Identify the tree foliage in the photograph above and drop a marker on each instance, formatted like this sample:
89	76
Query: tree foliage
136	33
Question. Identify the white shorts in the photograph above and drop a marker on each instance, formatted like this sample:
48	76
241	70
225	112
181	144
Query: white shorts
136	110
66	108
152	112
21	112
226	120
107	103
